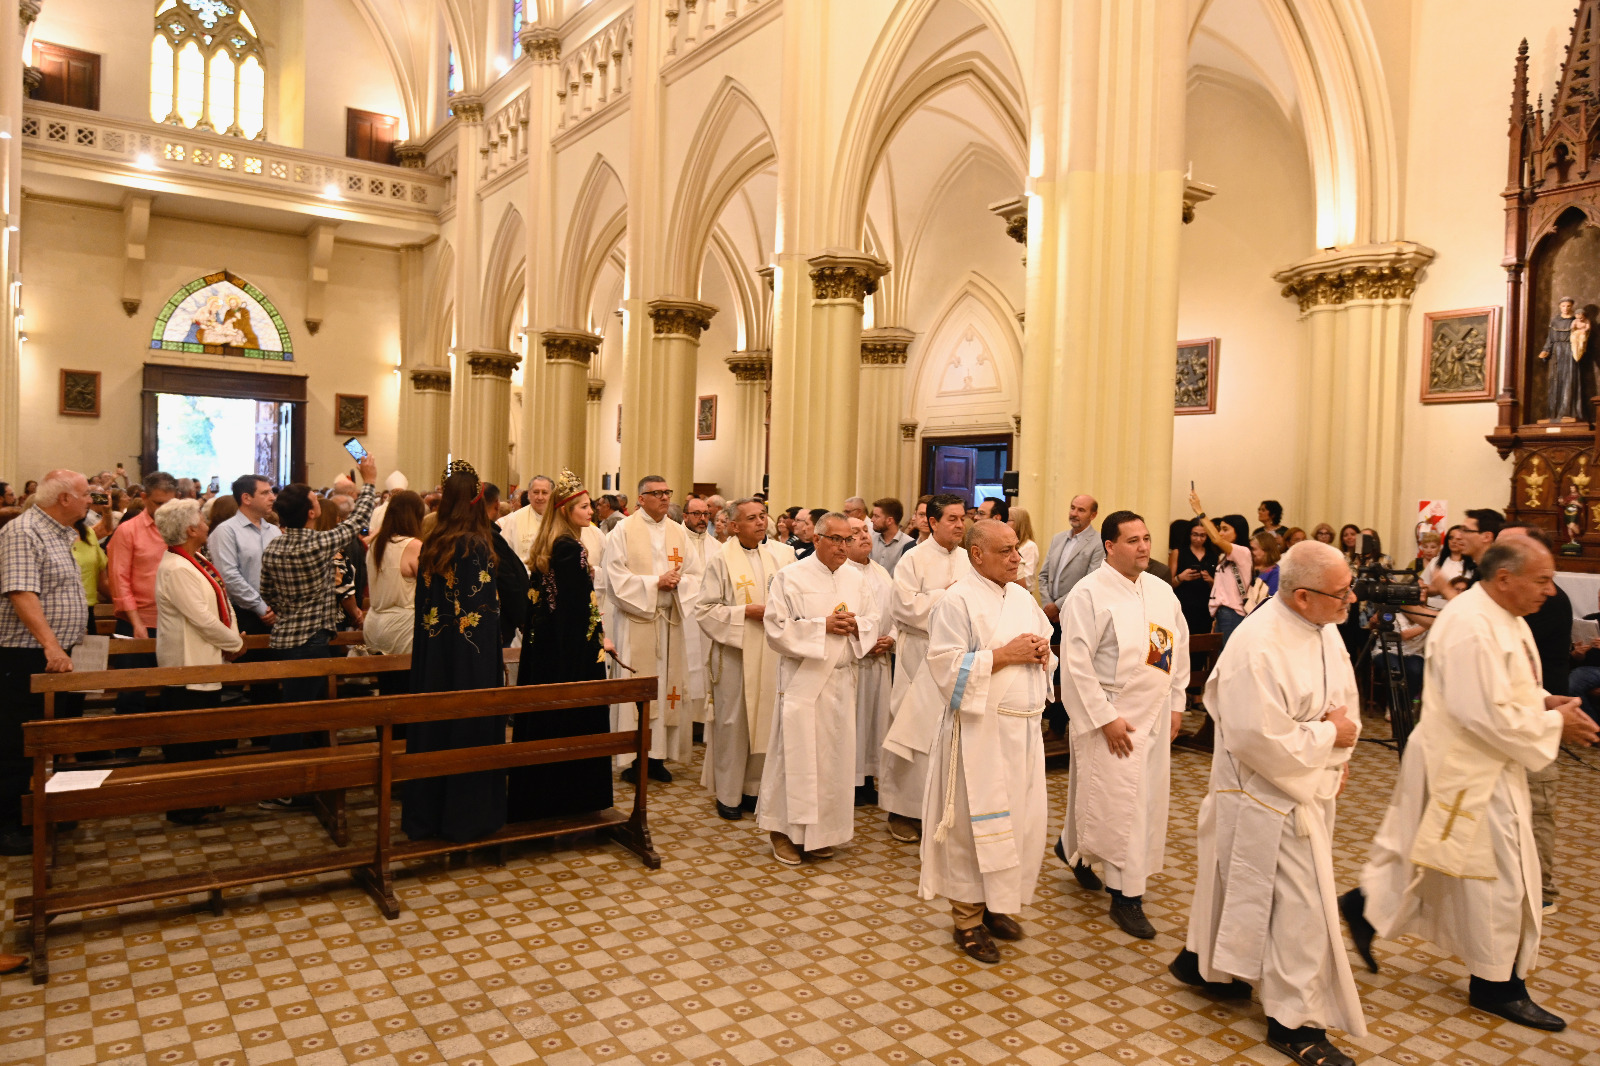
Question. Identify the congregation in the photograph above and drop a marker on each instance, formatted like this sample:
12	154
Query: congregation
834	659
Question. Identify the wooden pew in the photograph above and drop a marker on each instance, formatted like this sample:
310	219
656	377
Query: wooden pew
378	765
1208	645
252	642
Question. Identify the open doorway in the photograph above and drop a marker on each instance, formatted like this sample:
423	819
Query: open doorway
969	467
205	424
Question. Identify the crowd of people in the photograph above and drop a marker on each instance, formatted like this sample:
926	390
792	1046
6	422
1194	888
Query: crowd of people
831	659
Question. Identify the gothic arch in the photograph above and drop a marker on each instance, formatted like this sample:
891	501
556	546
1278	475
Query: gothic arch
439	309
592	234
504	284
975	306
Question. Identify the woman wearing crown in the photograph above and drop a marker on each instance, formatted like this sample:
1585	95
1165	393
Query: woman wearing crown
563	642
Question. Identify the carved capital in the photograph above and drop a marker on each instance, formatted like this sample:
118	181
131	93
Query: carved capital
686	317
431	379
597	388
839	274
467	108
492	362
1367	272
411	156
885	346
769	273
569	346
1195	192
540	44
27	11
130	307
32	78
1014	213
908	431
751	366
1016	420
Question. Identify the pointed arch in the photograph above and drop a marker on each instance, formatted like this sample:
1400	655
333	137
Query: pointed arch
387	24
976	304
438	308
504	273
595	230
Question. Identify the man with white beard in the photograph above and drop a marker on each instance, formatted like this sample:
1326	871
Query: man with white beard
522	525
920	580
873	683
1454	861
989	653
1284	699
820	617
1124	668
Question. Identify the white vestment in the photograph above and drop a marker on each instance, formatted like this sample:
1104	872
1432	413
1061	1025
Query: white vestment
1454	861
519	528
1265	901
920	579
695	646
874	683
986	805
640	607
807	790
1124	653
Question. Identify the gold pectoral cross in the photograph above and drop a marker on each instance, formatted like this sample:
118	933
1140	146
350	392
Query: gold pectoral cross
1455	811
744	585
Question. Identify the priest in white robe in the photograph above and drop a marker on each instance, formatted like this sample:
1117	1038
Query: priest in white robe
989	654
647	562
743	671
522	525
1287	713
874	683
820	618
696	521
1454	861
1124	668
920	580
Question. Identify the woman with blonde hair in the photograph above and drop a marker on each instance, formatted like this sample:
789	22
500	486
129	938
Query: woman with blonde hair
1022	524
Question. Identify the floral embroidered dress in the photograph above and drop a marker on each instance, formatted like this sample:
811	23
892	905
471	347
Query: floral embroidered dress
455	646
563	643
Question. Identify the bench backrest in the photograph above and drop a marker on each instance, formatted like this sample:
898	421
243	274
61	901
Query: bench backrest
226	673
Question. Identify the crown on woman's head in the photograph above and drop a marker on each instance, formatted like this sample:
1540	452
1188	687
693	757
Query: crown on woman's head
458	466
569	486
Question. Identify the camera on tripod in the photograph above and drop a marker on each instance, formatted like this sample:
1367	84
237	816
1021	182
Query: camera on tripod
1388	588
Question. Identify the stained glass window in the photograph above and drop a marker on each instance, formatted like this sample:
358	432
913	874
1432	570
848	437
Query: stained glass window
452	74
206	68
516	28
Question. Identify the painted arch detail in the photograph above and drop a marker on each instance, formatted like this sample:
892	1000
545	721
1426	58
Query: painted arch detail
222	314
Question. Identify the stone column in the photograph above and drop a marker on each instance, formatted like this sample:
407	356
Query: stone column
488	412
910	468
1354	303
567	354
545	452
13	464
1103	205
752	375
883	361
658	425
468	239
594	425
425	437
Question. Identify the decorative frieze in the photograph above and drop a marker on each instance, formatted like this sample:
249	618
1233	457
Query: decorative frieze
1369	272
569	346
687	318
751	366
845	275
431	379
540	44
492	363
885	346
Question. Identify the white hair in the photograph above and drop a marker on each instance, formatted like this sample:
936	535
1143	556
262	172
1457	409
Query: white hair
175	518
1305	564
56	483
831	516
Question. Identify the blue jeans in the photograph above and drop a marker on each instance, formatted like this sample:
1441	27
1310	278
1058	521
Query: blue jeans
1582	682
1225	621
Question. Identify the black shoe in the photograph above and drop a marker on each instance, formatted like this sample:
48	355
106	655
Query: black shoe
191	815
1313	1052
15	840
1082	872
732	814
1353	905
866	796
749	804
1128	913
657	771
1523	1011
629	773
1186	968
977	943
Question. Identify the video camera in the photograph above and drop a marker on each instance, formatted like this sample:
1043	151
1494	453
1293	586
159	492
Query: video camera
1383	587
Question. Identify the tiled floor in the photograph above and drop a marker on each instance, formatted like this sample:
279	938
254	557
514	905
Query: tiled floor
723	956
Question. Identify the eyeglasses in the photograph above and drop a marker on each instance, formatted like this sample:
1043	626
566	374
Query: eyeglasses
1346	593
836	538
665	494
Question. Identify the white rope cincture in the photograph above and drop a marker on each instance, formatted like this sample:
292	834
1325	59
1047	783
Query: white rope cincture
949	816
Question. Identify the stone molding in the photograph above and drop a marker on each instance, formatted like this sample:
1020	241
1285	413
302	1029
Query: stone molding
540	43
1014	213
688	318
492	362
27	12
431	379
769	272
597	388
32	78
752	366
467	108
841	274
885	346
1363	272
908	431
569	345
411	156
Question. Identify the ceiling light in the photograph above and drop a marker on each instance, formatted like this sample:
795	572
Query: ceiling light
145	161
330	190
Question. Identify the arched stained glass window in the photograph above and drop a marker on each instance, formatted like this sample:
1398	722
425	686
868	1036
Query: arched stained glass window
206	68
452	83
516	28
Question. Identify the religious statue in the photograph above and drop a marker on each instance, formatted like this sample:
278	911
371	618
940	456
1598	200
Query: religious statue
1572	512
1564	349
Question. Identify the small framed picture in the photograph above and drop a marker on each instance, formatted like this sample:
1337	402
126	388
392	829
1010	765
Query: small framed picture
619	423
349	415
1460	354
705	419
80	393
1196	391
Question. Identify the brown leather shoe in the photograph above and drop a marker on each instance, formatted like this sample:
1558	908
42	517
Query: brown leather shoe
784	851
13	963
1001	926
977	943
906	830
820	853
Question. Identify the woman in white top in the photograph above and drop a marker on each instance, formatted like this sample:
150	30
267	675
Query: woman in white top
1027	547
392	584
195	626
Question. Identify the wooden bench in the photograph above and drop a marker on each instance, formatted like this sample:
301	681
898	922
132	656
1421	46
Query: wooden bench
379	765
1209	647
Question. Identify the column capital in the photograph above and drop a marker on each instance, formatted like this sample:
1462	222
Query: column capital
430	379
908	431
885	346
1337	276
540	43
597	388
752	365
1195	192
28	11
492	362
686	317
468	108
1014	213
769	274
411	155
843	274
32	78
569	345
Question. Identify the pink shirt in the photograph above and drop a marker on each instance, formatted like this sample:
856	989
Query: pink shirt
1232	573
134	554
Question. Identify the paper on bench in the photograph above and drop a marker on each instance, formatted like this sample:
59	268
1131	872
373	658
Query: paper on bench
73	780
90	654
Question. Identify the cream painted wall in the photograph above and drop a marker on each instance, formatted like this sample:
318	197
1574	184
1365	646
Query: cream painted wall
345	67
1260	221
714	459
72	265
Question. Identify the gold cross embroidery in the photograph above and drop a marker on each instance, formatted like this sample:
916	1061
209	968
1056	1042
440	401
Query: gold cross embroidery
1455	811
745	584
674	558
673	697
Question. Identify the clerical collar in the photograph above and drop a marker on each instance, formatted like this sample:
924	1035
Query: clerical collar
993	586
941	547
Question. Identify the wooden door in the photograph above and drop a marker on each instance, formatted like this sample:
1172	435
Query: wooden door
955	470
71	77
370	136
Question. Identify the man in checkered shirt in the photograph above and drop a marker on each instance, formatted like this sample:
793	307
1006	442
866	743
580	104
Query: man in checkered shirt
44	614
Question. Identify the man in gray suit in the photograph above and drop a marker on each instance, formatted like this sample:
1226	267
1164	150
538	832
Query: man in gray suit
1074	552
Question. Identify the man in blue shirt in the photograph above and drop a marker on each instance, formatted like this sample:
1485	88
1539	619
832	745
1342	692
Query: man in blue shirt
235	548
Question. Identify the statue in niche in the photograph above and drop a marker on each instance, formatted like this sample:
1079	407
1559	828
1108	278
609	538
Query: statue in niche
1564	350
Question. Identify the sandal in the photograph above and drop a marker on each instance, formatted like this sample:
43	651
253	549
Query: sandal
977	943
1314	1053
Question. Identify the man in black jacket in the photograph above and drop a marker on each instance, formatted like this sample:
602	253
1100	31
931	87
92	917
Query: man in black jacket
511	573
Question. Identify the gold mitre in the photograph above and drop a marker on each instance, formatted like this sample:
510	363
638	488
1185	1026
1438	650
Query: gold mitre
569	486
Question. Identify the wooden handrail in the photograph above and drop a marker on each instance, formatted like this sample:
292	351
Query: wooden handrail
231	673
252	642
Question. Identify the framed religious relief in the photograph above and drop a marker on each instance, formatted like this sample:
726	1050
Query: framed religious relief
349	415
619	423
1460	351
80	393
1196	387
705	419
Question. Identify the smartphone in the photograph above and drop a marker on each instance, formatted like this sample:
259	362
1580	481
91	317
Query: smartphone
357	452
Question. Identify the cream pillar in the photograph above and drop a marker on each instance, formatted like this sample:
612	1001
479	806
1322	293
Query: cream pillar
488	412
752	375
544	451
1105	211
661	418
593	427
1354	303
883	361
567	354
468	282
910	470
425	440
12	461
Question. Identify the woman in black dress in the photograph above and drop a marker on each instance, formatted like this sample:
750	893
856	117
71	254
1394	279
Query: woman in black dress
1193	567
455	646
563	642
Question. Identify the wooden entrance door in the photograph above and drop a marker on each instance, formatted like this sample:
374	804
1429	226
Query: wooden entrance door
955	470
965	466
